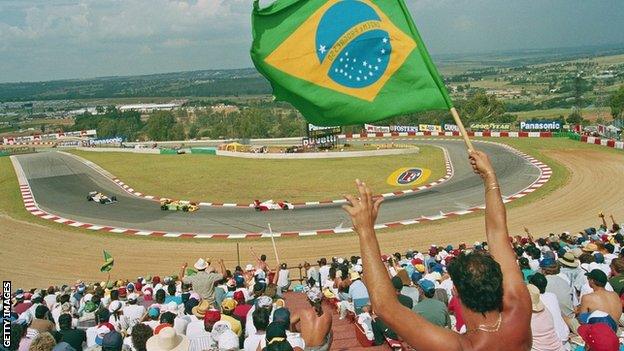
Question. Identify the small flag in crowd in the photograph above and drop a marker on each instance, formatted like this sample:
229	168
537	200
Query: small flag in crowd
108	262
345	62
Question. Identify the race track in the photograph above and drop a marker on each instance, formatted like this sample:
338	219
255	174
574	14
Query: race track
60	184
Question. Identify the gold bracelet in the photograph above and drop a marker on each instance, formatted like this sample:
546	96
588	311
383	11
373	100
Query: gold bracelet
492	188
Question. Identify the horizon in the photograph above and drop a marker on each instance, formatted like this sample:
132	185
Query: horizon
44	41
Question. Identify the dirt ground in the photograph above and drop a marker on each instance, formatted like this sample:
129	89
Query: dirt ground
37	256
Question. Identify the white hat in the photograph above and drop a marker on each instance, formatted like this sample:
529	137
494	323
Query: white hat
167	340
201	264
340	260
172	306
357	268
249	267
133	296
87	297
359	262
114	306
227	341
158	287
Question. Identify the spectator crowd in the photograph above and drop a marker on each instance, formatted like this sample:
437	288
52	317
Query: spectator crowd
575	281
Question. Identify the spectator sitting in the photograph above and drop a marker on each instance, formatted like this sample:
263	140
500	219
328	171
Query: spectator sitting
140	333
552	305
358	292
315	323
282	315
223	337
398	286
562	289
42	322
599	337
260	319
617	281
43	342
242	309
118	320
545	337
429	308
196	330
283	278
152	319
102	327
132	310
406	287
600	299
525	268
276	338
72	336
227	309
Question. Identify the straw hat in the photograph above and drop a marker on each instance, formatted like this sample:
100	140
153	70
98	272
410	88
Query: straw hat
536	302
200	264
167	340
200	310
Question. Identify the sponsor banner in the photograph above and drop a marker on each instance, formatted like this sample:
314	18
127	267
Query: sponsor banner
117	140
48	137
546	125
411	176
451	128
320	141
317	131
376	129
429	128
490	126
403	129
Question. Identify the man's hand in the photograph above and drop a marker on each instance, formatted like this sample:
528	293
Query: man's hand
185	265
601	215
363	209
481	164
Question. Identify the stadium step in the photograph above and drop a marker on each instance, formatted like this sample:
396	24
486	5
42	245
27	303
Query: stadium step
343	329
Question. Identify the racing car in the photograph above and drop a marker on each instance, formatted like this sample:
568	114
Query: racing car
271	205
170	205
98	197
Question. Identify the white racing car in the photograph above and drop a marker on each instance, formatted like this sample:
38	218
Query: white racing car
271	205
100	198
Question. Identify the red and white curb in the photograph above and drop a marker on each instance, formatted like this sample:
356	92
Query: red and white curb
31	206
449	171
604	142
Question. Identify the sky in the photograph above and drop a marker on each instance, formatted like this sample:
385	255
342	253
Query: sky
59	39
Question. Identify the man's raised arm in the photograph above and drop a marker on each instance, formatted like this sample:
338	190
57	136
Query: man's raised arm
496	223
411	327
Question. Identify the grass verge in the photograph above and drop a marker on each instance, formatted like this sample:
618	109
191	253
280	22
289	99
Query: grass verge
231	179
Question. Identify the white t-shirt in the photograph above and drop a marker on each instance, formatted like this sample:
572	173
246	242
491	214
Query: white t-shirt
552	305
282	277
50	300
133	313
324	274
252	342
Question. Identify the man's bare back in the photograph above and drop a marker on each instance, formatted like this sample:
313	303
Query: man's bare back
314	328
602	300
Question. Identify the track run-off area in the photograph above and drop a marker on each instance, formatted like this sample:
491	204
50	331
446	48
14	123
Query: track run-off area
54	186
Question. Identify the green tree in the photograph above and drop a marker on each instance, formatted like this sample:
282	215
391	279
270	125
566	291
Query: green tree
162	126
616	102
483	108
575	118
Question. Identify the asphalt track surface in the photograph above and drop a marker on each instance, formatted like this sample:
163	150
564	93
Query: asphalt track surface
60	185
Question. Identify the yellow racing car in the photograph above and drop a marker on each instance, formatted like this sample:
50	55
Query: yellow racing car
184	206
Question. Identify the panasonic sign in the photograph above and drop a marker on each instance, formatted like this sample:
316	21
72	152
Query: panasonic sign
540	125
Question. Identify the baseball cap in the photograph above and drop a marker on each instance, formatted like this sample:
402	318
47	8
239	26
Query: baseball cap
282	315
597	275
112	339
397	283
547	262
599	257
212	316
426	285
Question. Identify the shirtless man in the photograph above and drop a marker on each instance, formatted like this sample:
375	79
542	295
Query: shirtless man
600	299
314	324
495	301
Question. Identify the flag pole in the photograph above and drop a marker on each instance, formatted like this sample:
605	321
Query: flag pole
274	247
462	130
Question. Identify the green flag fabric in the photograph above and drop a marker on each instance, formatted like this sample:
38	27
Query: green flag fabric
108	262
343	62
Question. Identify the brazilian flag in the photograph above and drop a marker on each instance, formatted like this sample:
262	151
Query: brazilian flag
108	262
343	62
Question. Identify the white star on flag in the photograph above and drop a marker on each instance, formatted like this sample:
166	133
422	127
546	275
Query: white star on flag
322	49
385	40
383	51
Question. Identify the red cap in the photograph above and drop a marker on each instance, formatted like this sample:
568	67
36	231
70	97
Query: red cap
384	258
417	261
160	327
122	291
156	280
599	337
239	297
212	316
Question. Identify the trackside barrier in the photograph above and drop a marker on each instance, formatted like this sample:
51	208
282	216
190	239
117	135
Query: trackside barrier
204	150
168	152
604	142
3	153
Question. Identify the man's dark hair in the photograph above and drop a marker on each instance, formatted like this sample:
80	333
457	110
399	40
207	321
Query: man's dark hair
64	298
322	261
37	299
260	318
263	257
479	281
167	317
586	258
102	315
609	247
114	295
283	345
140	333
65	321
171	289
539	280
160	296
40	311
18	331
